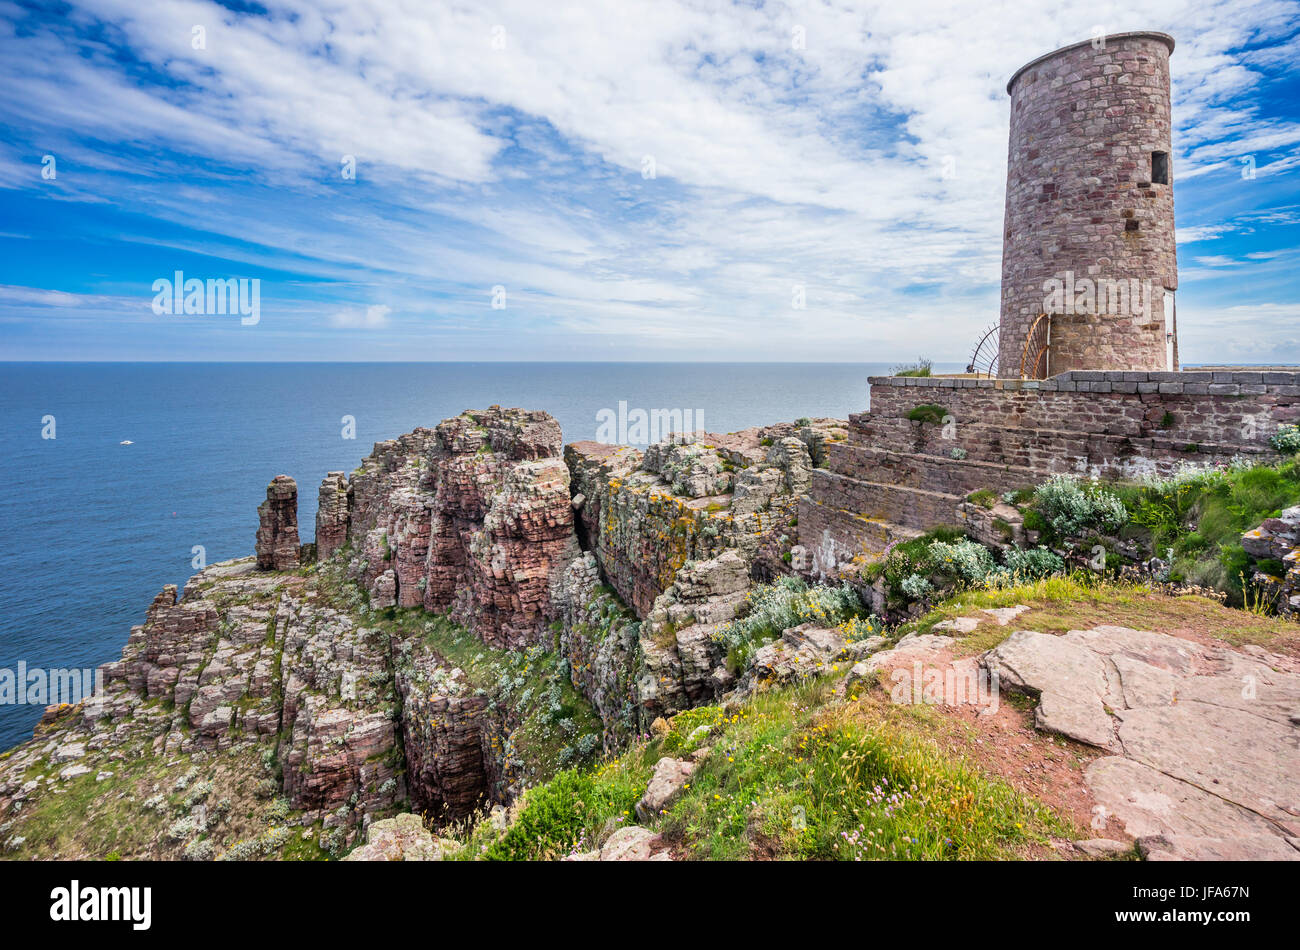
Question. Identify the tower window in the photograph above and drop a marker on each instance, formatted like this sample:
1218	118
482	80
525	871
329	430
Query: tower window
1160	168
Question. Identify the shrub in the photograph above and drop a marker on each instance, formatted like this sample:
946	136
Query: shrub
1033	563
1018	497
1072	506
554	816
984	498
916	587
928	412
958	453
1287	439
966	560
774	607
861	628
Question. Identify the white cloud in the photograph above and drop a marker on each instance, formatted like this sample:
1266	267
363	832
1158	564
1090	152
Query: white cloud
1204	232
374	317
522	166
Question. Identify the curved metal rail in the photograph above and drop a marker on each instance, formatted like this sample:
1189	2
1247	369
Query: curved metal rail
1035	361
984	358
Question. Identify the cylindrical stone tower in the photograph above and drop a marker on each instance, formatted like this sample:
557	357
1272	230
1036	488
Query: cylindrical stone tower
1089	232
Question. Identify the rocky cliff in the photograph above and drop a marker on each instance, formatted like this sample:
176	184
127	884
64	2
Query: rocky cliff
454	634
481	611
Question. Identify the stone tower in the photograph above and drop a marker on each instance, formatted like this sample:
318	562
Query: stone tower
1089	231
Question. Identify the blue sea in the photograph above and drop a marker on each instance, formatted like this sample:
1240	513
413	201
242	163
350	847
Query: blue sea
90	529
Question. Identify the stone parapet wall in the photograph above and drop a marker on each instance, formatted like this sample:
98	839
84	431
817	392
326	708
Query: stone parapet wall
1107	423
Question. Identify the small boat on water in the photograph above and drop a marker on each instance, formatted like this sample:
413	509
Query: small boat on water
126	442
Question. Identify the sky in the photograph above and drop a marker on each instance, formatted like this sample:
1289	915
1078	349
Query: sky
660	180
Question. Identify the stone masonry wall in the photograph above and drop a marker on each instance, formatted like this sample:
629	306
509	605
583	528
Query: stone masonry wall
1118	424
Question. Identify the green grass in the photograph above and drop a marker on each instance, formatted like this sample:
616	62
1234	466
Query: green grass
789	775
928	412
1201	517
792	778
921	367
566	815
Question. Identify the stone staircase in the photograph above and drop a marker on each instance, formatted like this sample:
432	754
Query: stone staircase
897	476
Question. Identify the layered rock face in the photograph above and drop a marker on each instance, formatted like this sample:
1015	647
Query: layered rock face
269	675
453	741
678	531
1276	545
473	517
277	531
332	515
645	515
249	661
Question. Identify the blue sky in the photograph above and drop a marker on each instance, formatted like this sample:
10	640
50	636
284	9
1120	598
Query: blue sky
857	150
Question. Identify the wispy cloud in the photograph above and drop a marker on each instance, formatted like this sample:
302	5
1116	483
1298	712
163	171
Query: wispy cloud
371	318
650	182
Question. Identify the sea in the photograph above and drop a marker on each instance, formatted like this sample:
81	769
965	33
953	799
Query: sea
114	474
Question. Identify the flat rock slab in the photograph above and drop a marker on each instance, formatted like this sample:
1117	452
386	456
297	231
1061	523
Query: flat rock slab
1069	680
1207	752
913	646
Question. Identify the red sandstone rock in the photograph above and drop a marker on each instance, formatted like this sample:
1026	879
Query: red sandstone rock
332	515
277	533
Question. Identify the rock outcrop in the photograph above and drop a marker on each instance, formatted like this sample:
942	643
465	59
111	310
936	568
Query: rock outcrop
669	779
646	514
277	531
332	515
401	838
473	518
1275	544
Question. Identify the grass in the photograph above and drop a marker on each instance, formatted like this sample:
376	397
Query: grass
569	814
921	367
1201	516
793	778
1082	600
791	775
